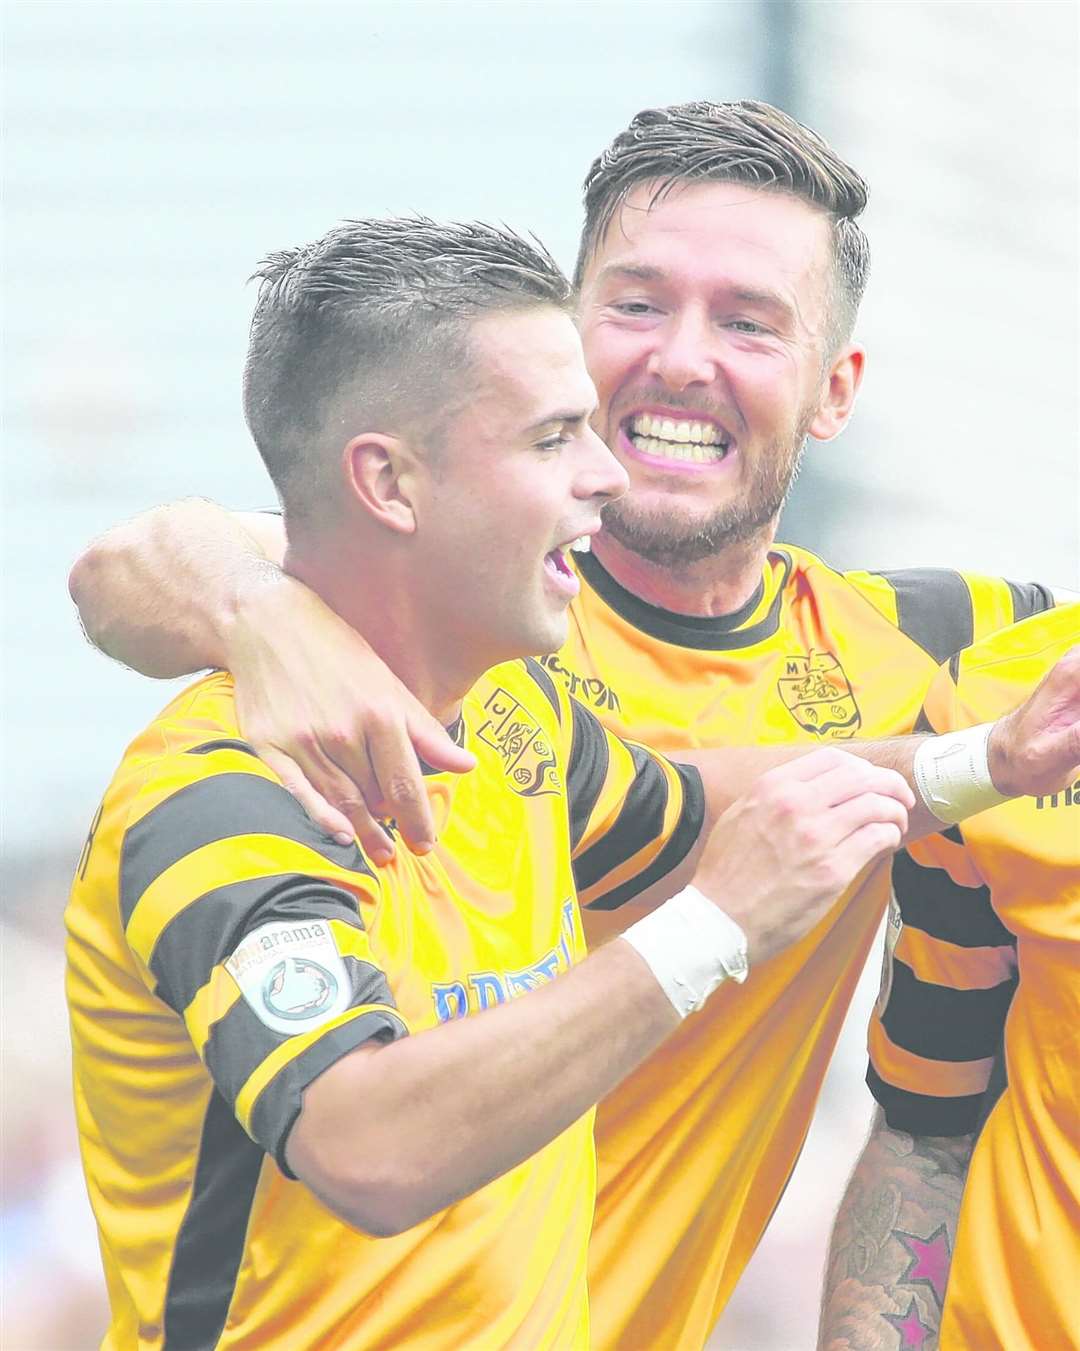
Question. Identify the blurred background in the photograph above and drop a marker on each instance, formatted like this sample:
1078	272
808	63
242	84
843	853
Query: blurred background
155	151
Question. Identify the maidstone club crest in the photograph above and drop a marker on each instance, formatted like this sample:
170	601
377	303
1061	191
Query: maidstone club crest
817	694
527	758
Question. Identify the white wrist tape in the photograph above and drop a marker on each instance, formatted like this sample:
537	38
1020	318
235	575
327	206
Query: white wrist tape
952	774
691	947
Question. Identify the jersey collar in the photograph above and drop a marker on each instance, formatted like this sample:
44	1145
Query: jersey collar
715	633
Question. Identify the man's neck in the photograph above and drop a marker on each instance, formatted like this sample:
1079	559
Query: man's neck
391	621
718	585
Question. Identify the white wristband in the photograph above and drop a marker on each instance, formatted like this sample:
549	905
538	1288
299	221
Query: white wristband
691	947
952	774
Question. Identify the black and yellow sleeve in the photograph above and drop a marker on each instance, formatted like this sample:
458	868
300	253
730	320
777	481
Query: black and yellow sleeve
943	610
949	978
246	920
950	974
634	815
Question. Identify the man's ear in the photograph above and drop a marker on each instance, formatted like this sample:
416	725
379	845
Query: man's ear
842	385
378	470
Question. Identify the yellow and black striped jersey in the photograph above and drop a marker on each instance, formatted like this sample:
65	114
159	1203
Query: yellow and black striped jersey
985	943
695	1148
223	953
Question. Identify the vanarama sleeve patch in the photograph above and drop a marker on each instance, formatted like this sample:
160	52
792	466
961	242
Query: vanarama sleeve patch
292	975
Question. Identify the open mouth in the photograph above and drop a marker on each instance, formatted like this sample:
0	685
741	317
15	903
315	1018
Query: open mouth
556	561
689	441
561	575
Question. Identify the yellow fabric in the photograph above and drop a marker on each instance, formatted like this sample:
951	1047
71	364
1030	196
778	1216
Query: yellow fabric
695	1149
1014	1274
168	1053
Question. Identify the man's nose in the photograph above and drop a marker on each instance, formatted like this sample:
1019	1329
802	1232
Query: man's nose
601	476
685	353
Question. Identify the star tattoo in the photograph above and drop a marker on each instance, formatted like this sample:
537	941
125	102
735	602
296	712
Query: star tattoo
913	1331
929	1263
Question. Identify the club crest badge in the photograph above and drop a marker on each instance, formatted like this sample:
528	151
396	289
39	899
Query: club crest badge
291	975
818	695
527	758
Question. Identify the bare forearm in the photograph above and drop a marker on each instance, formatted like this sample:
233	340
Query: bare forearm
433	1117
729	772
159	592
892	1243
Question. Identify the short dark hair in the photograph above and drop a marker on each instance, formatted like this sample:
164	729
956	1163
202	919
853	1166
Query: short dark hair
745	142
374	316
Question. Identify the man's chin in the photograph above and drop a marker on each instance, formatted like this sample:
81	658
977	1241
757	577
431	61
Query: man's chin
674	539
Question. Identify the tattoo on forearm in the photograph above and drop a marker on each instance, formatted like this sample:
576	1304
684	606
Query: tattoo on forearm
892	1243
929	1263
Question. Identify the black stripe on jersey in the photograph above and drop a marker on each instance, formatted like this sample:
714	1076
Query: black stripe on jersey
931	901
224	744
587	770
934	609
240	1041
218	808
954	667
939	1022
1029	598
682	840
210	1241
545	682
921	1114
278	1105
640	820
708	633
210	929
923	726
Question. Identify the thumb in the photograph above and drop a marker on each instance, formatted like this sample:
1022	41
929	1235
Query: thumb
436	747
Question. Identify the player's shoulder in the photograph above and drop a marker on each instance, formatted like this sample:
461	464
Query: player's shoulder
195	737
992	676
527	683
944	610
1033	645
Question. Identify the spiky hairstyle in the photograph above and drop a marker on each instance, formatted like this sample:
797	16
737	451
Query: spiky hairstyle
369	325
746	142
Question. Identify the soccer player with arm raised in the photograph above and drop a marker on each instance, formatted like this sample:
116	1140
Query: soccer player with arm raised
974	1044
721	269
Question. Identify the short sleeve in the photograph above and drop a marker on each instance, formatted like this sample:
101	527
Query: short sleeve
949	975
247	922
634	815
943	610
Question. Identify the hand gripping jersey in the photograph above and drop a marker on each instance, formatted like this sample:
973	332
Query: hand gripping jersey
223	953
982	910
696	1147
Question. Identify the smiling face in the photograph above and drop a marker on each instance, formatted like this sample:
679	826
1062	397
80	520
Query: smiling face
518	476
704	319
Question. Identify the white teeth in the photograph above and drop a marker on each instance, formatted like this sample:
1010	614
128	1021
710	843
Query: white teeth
582	545
675	450
676	433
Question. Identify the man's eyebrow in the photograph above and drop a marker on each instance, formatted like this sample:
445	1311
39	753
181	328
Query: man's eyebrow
630	272
564	415
747	295
751	296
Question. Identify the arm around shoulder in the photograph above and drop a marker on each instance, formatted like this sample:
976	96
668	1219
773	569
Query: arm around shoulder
159	592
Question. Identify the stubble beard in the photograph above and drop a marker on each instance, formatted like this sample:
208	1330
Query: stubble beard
678	541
